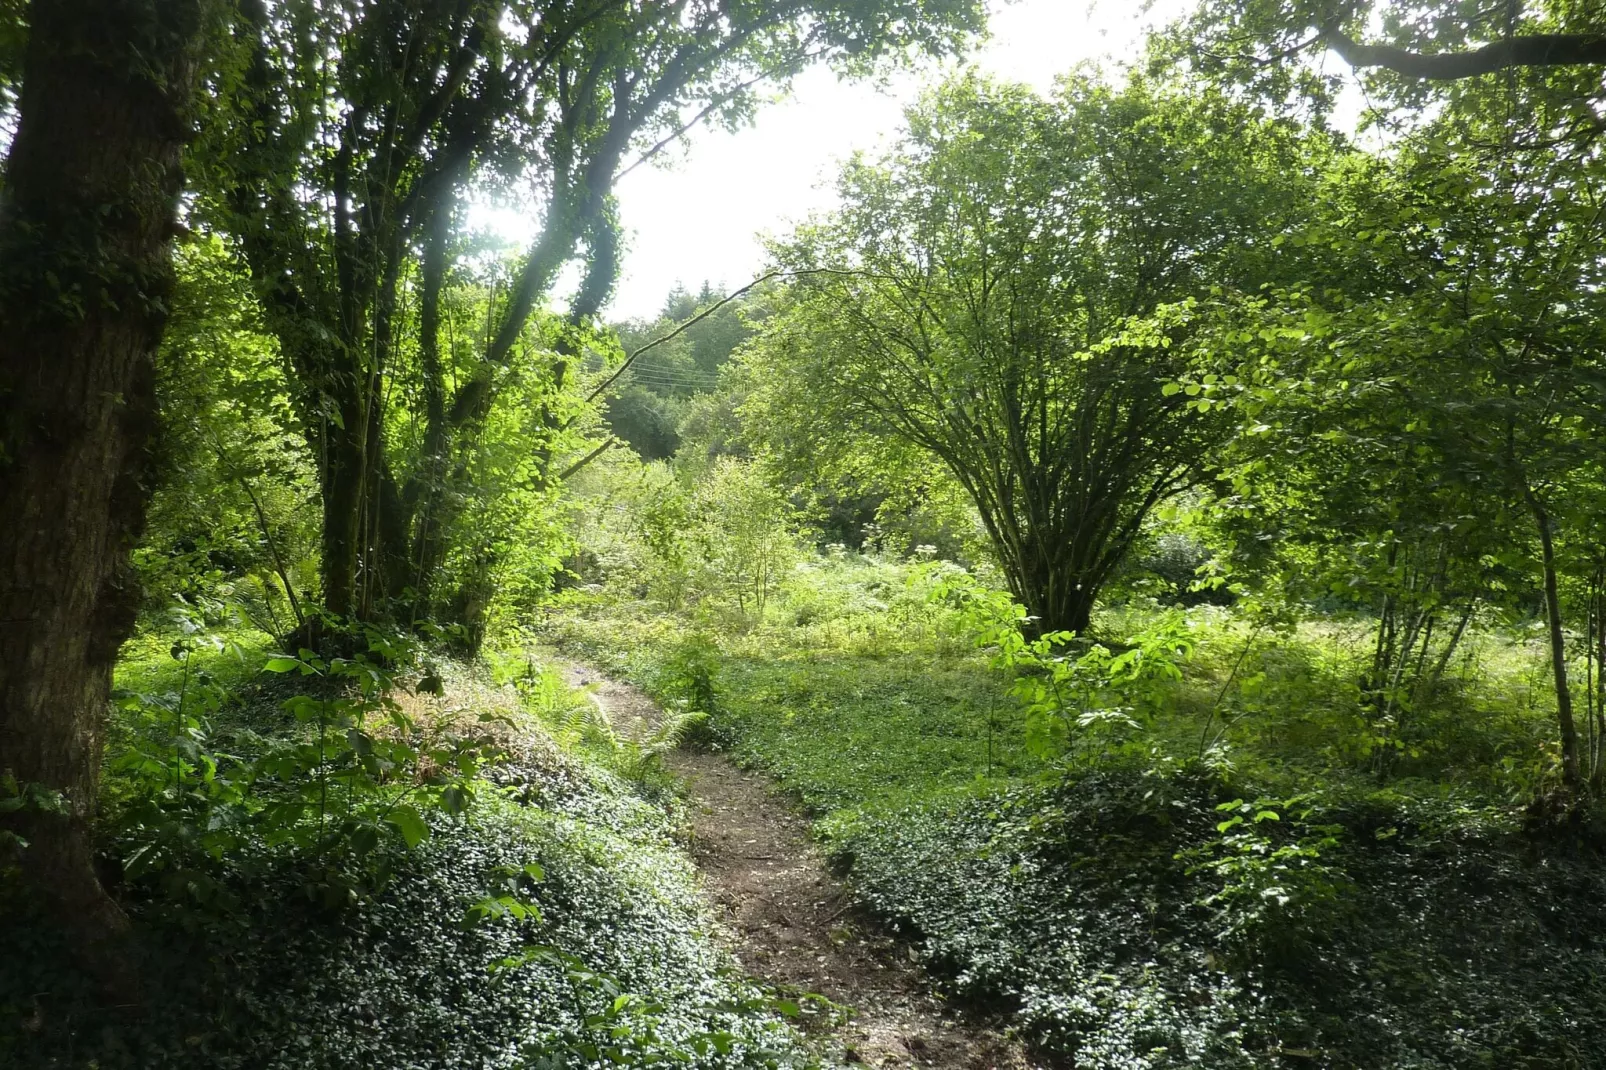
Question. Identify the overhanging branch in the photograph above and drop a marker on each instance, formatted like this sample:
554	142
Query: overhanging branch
1530	50
686	127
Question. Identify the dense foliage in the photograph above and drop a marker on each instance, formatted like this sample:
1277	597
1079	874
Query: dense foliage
554	924
1208	874
1009	294
1154	527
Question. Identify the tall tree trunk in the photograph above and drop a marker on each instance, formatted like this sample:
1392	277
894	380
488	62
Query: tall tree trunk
342	475
1558	644
87	215
464	419
1597	655
1069	609
424	495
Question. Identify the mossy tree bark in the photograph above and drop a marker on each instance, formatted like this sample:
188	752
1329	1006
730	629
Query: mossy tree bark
87	216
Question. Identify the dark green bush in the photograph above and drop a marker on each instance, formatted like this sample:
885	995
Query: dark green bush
254	964
1433	935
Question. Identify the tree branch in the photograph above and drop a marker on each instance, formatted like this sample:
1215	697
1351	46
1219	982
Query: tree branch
1533	50
704	314
677	332
713	105
587	459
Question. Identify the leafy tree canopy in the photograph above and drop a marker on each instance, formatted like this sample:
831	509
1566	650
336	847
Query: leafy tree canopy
1012	292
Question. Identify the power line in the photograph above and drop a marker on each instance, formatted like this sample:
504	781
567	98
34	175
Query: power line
674	381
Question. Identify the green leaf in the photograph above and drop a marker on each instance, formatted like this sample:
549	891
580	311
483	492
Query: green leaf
411	824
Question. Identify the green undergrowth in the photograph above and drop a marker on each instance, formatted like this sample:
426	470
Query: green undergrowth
1121	928
554	923
1230	883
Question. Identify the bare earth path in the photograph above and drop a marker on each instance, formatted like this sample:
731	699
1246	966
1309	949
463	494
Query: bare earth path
792	922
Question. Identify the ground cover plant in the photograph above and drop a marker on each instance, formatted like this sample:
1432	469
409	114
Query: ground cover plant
546	917
1214	876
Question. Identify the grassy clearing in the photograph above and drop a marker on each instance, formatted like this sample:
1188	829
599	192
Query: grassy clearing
1233	882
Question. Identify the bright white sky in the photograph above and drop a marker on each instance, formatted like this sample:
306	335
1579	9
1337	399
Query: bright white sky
702	214
701	218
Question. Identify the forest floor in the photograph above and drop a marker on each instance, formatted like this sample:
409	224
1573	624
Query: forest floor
793	925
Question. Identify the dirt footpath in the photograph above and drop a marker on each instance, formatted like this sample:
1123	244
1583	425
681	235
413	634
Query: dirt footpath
792	923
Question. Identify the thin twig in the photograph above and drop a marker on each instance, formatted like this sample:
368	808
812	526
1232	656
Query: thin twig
680	131
678	331
841	910
1231	676
273	547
